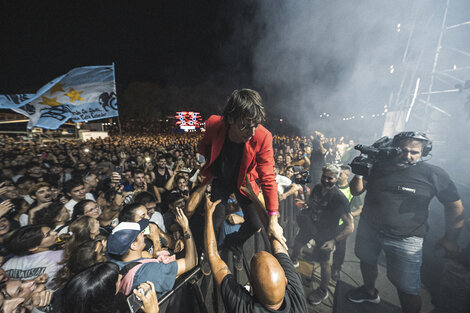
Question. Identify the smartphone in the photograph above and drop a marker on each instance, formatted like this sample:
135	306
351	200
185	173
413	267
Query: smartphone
201	158
134	302
118	169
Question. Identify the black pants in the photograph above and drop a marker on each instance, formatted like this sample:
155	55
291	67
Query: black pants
252	221
339	254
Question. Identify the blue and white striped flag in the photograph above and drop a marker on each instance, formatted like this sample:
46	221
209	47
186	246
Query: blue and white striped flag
83	94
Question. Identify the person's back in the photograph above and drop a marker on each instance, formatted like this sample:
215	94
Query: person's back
274	282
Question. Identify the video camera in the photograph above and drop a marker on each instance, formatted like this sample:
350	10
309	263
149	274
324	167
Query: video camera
381	151
303	178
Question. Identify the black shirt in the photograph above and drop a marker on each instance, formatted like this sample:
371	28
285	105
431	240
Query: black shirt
226	169
160	180
397	201
237	299
327	209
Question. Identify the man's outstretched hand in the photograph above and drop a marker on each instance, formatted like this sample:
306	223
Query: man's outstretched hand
275	231
210	206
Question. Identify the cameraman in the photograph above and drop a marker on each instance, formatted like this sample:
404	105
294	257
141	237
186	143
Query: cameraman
394	218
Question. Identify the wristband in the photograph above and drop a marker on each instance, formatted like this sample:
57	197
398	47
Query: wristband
187	235
273	213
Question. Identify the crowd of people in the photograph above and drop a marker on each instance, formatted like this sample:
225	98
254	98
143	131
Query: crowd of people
85	224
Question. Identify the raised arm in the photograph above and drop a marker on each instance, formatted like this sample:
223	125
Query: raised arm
218	266
277	245
190	259
194	200
268	222
357	185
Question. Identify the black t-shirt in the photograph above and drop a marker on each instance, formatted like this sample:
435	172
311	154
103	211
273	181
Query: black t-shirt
397	201
160	180
237	299
226	169
327	209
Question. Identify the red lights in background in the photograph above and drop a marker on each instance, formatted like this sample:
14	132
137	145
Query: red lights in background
188	120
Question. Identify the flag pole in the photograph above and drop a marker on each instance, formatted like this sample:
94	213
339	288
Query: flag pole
118	119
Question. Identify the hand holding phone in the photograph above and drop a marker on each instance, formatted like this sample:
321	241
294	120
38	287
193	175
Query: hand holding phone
145	298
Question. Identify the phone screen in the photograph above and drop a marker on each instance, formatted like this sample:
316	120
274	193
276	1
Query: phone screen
134	303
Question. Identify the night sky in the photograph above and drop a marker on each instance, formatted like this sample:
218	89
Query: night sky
167	42
309	59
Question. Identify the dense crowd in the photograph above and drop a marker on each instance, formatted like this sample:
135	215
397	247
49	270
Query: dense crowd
75	214
61	203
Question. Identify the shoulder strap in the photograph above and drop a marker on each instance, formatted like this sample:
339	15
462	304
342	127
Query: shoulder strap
127	268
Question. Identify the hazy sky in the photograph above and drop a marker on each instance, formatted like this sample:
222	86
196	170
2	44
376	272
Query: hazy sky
307	58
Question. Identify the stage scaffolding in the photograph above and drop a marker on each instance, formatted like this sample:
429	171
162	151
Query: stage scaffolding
434	92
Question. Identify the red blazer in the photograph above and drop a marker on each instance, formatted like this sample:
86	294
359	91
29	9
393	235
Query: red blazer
257	160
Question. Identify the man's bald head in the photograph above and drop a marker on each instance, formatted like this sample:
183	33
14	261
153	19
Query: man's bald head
268	279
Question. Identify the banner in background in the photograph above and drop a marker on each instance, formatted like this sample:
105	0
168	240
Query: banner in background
83	94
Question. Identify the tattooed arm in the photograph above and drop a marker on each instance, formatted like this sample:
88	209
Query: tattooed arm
218	266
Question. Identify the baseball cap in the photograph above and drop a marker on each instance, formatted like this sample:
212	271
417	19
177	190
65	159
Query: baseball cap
123	235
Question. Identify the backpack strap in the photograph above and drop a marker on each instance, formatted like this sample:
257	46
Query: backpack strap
127	268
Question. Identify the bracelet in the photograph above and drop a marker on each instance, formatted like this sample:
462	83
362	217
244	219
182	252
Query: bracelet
273	213
187	235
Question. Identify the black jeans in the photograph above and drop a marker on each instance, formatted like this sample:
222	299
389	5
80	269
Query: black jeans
252	222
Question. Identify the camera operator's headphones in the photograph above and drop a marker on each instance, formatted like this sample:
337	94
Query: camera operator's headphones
427	143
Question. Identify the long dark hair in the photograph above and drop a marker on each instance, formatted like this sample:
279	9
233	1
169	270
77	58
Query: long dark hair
93	290
80	230
79	208
81	258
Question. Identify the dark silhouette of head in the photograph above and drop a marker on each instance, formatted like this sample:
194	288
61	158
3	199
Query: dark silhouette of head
268	279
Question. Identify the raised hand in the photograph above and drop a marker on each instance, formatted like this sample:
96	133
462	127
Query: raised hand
210	206
181	219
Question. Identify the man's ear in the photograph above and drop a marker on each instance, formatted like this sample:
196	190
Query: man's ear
133	246
33	197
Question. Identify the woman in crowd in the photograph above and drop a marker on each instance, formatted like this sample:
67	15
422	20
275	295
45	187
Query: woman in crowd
82	257
85	228
95	290
55	216
86	207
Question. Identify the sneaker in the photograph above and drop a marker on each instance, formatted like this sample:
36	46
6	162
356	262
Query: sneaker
335	274
317	296
360	295
296	264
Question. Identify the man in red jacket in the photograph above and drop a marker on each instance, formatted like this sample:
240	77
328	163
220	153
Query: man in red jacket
237	148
